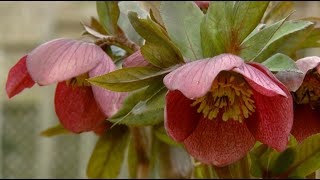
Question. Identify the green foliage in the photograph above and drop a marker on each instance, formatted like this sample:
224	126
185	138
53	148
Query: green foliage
280	62
108	12
158	48
53	131
182	21
107	157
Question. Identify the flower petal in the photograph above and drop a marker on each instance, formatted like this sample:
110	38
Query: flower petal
102	128
194	79
202	4
180	117
307	63
134	60
18	78
218	142
291	79
306	122
108	101
76	108
273	121
62	59
259	80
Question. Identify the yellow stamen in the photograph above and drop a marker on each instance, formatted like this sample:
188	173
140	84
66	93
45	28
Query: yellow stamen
230	95
79	80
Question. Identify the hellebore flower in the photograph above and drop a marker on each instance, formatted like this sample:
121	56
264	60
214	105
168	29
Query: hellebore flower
306	94
79	106
218	107
202	4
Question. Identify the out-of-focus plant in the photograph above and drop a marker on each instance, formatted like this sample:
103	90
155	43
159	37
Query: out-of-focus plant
187	89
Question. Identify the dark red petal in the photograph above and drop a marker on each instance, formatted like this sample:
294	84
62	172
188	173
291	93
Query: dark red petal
18	78
76	108
273	122
180	117
306	122
218	142
102	128
202	4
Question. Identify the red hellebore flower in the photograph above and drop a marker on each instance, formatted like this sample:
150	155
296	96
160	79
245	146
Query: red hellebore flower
78	105
218	107
306	94
202	4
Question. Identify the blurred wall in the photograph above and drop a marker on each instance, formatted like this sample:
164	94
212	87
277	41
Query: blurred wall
23	153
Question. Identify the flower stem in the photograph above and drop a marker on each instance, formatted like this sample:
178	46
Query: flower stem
120	41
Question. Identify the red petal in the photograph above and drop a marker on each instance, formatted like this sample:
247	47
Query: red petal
202	4
218	142
102	128
18	78
306	122
76	108
180	117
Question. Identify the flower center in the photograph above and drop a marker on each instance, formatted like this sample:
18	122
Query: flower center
230	95
79	80
309	91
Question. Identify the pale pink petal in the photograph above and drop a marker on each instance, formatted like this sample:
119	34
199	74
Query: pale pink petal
306	122
134	60
291	79
259	80
62	59
18	78
108	101
273	119
218	142
307	63
76	108
194	79
180	117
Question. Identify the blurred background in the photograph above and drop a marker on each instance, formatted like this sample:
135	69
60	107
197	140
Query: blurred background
23	152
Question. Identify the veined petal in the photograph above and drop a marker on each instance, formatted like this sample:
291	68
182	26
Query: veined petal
180	117
194	79
291	79
108	101
259	81
61	59
273	119
218	142
18	78
307	63
76	108
306	122
134	60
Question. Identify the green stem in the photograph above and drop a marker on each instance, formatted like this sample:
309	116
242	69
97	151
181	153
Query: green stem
120	41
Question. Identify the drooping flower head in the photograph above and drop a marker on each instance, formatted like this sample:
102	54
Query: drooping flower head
219	107
306	94
78	105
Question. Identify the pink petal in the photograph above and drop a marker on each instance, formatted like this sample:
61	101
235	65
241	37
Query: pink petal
108	101
18	78
306	122
134	60
273	119
291	79
307	63
76	108
62	59
218	142
259	80
194	79
180	117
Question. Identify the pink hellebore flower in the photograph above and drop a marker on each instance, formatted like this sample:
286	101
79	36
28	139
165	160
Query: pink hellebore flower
218	107
134	60
306	94
79	106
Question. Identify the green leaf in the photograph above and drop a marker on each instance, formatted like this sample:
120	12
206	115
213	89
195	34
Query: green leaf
287	40
254	45
124	23
153	6
132	159
161	134
143	107
182	20
282	162
129	79
280	62
158	49
307	158
53	131
237	170
203	171
227	24
107	157
108	12
278	11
